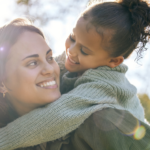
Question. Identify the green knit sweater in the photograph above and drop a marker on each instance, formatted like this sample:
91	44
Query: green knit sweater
96	89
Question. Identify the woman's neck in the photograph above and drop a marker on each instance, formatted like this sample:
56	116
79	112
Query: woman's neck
20	107
22	110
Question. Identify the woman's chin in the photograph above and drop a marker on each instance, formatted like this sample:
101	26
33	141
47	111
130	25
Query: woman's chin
53	97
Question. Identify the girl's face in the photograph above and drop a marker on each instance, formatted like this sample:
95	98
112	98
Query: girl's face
84	50
32	75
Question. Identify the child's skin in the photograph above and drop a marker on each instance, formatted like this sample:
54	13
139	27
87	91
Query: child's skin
84	49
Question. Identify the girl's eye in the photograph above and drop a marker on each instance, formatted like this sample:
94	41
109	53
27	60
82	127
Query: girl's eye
71	38
83	52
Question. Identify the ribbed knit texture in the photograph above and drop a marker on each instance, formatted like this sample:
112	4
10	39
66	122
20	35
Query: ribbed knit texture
96	89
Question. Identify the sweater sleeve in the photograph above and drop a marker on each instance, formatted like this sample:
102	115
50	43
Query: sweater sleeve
60	59
56	119
62	116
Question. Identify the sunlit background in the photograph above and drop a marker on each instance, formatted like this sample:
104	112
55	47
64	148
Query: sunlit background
56	18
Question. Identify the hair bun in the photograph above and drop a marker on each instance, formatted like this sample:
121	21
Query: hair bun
140	21
139	10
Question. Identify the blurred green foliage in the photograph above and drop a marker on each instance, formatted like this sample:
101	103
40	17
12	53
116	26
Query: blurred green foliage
44	11
23	2
145	101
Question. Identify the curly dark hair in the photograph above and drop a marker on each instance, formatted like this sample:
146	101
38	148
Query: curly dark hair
126	21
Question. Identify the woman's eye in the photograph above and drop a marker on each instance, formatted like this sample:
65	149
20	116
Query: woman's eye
34	63
71	38
83	52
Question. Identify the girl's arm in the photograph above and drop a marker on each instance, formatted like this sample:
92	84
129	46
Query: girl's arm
55	120
69	111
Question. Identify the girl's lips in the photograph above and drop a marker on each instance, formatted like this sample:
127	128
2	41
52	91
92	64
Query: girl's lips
70	59
71	62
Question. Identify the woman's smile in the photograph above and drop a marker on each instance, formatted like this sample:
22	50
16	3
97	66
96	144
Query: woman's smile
32	75
48	84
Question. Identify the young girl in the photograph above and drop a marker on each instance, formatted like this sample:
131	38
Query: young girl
105	35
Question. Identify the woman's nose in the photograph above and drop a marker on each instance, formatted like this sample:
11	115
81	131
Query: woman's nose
47	69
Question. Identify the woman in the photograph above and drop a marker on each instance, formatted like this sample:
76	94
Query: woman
29	75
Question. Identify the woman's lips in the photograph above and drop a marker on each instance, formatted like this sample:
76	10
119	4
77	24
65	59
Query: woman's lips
48	84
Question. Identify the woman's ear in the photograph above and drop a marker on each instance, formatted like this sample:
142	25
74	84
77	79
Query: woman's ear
3	88
114	62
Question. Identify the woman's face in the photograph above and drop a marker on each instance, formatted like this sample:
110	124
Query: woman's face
32	75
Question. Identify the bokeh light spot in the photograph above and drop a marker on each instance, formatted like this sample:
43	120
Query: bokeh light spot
1	49
139	133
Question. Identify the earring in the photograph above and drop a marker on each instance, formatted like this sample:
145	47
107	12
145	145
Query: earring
3	95
4	90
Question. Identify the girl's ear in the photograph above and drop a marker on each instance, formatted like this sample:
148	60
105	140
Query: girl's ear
114	62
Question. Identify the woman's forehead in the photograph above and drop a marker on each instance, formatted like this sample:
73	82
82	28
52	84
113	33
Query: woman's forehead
28	43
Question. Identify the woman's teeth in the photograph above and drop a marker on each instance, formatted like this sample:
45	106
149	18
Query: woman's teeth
50	83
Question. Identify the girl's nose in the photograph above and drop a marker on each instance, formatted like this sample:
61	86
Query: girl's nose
73	50
47	69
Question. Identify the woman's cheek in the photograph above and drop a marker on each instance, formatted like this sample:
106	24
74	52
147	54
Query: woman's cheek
27	77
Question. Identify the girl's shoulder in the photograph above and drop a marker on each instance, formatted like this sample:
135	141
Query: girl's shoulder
122	68
60	59
104	74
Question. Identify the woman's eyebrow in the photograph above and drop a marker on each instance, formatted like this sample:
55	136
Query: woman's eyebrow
34	55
